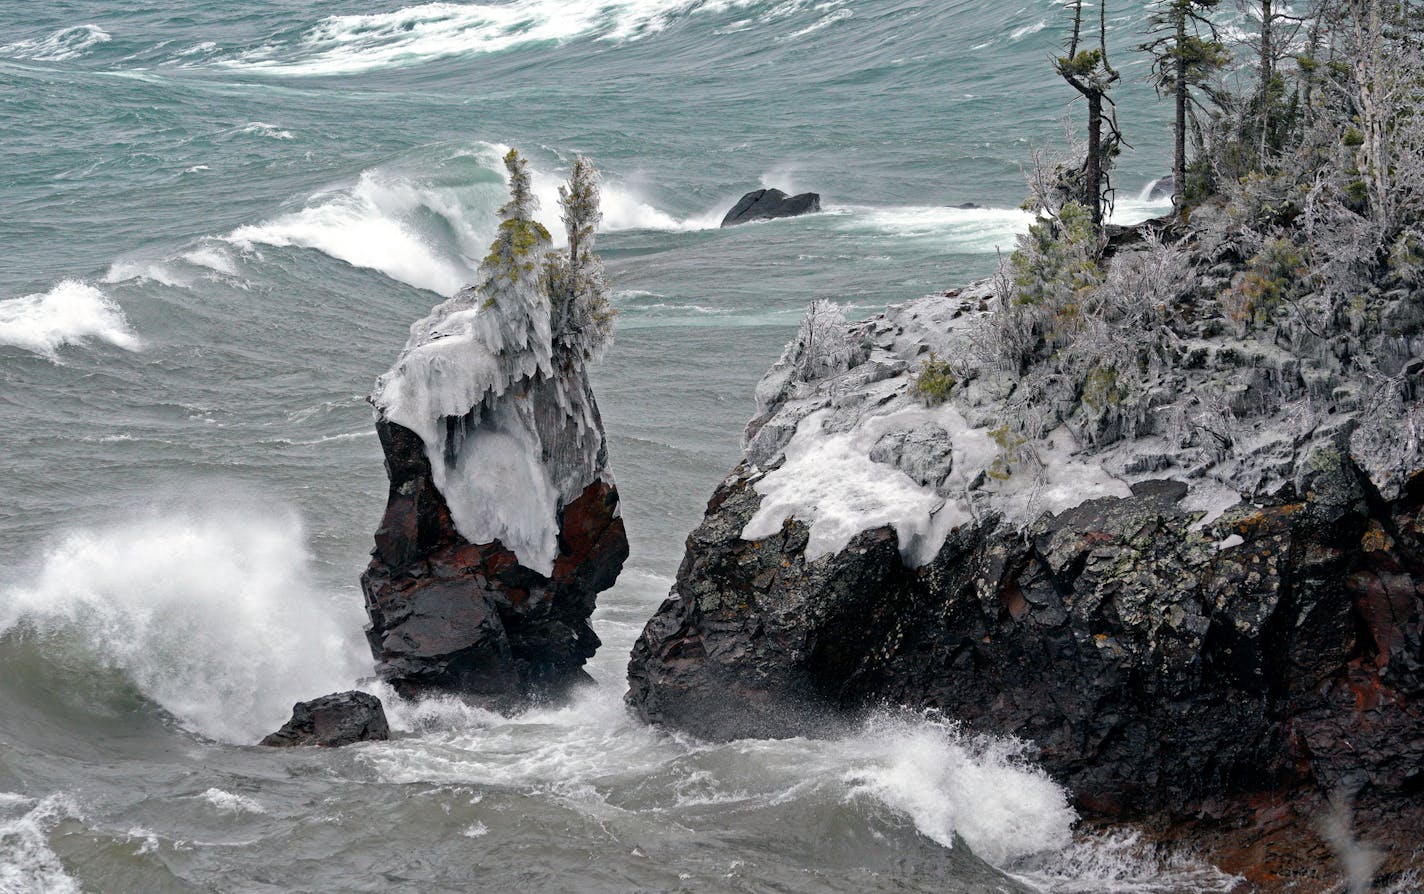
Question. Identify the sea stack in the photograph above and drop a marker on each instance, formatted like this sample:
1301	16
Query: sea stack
502	524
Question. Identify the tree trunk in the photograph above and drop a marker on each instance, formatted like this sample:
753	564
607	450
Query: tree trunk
1094	170
1179	136
1267	69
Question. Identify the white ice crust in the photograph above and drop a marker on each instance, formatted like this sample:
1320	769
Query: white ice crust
843	443
475	389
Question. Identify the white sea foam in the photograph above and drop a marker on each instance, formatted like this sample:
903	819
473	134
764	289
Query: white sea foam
1120	863
1026	30
212	613
429	227
415	34
27	864
153	271
228	802
839	15
944	782
71	313
58	46
972	230
212	257
263	129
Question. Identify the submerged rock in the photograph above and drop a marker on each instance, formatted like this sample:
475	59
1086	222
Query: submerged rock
766	204
1180	632
334	720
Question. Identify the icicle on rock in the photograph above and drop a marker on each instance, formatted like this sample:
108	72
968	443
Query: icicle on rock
502	524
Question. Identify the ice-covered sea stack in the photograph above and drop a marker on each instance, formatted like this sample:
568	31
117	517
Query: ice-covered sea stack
502	523
1206	604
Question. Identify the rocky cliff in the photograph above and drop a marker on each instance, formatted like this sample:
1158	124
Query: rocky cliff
502	523
1212	617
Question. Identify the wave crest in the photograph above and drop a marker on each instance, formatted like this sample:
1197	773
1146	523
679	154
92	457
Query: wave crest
71	313
59	46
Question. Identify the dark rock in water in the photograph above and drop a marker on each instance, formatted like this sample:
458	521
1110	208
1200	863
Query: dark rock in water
448	615
1161	188
1155	665
765	204
1160	670
1216	682
969	206
332	721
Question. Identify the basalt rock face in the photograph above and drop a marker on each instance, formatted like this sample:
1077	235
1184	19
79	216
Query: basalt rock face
767	204
1160	669
1170	657
342	718
448	615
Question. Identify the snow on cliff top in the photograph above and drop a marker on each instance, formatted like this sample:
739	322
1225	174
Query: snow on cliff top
842	441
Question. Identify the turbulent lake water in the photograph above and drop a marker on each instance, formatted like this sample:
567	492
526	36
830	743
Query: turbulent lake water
217	221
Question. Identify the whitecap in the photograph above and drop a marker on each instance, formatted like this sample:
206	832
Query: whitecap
59	46
263	129
228	802
428	229
1020	33
71	313
153	271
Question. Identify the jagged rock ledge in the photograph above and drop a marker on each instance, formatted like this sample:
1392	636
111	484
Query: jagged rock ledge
1209	636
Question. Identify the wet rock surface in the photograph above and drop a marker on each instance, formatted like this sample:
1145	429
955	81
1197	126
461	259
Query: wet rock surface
767	204
1213	651
342	718
1160	669
448	615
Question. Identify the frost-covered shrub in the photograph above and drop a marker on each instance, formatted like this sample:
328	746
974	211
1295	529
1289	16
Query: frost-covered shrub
582	312
935	380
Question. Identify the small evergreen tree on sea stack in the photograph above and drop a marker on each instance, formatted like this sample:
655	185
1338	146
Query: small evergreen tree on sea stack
1090	73
1186	54
510	275
582	316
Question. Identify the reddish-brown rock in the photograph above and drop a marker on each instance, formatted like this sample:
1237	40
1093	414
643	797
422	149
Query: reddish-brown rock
448	615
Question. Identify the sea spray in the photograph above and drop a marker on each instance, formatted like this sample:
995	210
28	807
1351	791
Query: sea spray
27	864
212	613
949	783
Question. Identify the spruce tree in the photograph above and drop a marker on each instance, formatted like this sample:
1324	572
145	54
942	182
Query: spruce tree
1186	54
511	283
1091	74
582	316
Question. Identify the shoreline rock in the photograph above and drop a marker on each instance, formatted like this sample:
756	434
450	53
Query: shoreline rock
1184	649
451	616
